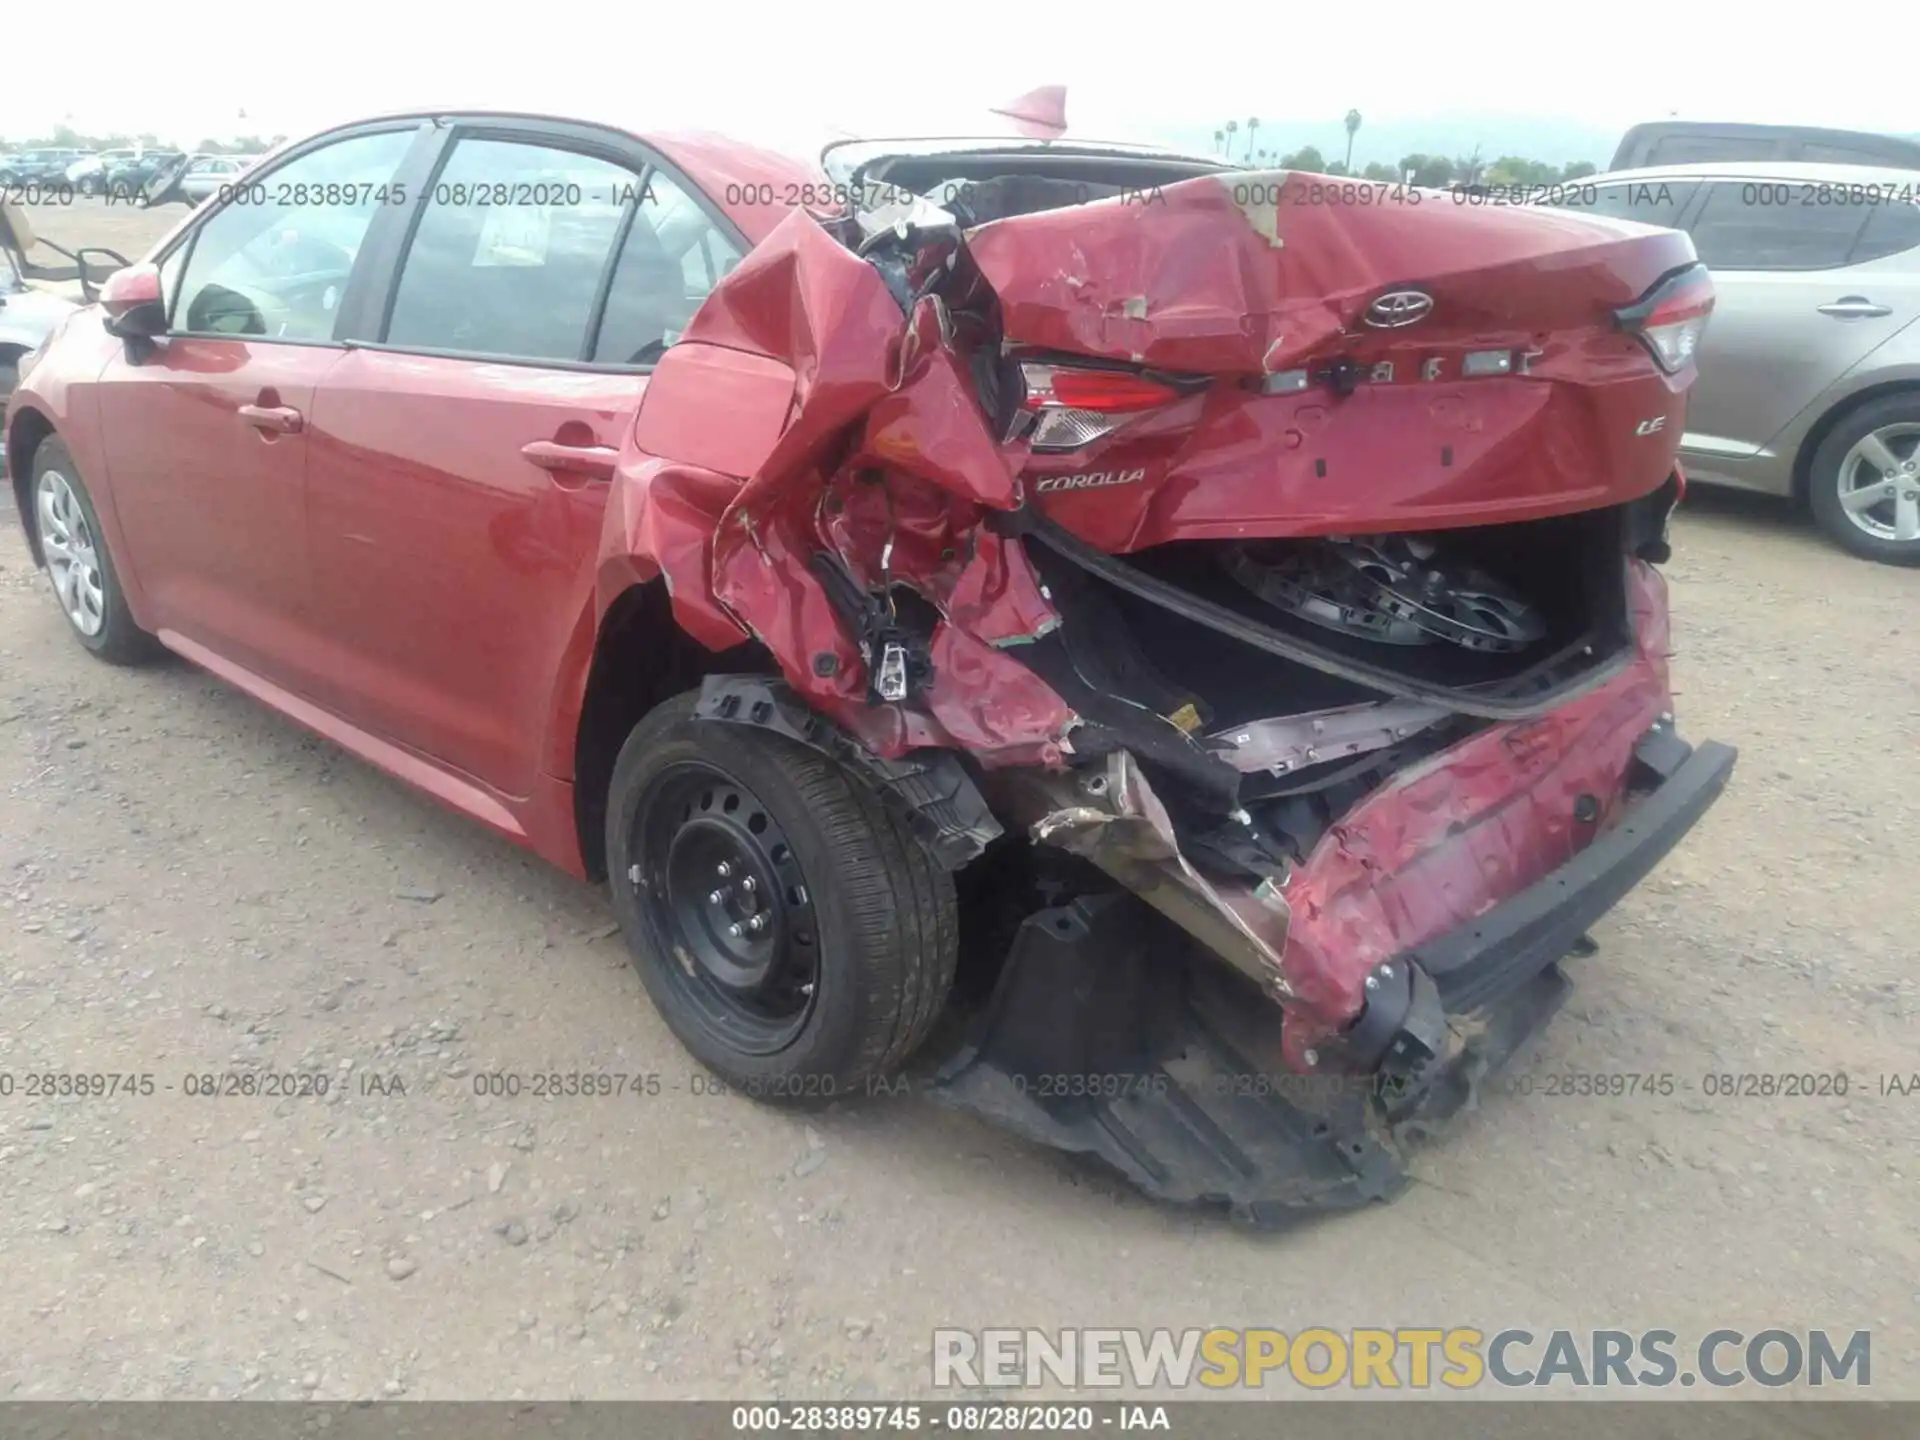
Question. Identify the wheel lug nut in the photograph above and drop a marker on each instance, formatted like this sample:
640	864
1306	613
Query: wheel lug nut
747	885
723	869
757	924
716	896
633	874
734	931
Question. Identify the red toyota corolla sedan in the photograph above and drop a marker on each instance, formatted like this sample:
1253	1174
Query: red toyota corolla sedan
1200	626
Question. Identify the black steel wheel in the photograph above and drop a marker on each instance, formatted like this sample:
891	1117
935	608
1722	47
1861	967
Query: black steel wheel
793	933
727	892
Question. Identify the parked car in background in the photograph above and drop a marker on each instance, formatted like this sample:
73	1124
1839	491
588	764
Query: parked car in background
129	179
27	317
39	167
1810	369
1689	142
198	179
88	174
1267	674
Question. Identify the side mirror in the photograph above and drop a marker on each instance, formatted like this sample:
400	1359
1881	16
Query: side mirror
94	271
133	304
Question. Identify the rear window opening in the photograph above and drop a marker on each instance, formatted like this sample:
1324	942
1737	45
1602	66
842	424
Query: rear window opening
978	186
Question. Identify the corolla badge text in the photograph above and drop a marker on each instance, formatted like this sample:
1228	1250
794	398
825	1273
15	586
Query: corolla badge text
1398	307
1093	480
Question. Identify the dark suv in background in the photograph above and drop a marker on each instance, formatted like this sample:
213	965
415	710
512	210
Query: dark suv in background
1687	142
45	167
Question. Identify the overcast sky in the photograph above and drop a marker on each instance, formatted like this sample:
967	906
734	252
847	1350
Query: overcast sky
775	71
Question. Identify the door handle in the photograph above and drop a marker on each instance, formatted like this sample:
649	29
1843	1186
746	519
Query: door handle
281	419
595	460
1854	307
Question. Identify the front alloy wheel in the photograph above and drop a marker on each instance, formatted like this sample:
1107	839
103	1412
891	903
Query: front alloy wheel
72	554
82	571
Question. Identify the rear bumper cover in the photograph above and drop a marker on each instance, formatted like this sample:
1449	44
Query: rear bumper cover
1094	1043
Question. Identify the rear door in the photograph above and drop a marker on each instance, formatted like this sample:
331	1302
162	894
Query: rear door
455	513
1806	292
207	436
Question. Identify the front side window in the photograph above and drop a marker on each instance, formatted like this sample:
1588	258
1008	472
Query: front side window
1734	231
274	260
510	251
673	257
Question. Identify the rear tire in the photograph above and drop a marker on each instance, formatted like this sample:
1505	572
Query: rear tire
78	564
792	932
1864	504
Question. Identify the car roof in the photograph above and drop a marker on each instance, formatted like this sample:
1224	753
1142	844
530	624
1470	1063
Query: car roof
733	171
1814	172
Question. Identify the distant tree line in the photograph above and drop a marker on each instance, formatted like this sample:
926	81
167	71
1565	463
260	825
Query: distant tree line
1429	171
65	137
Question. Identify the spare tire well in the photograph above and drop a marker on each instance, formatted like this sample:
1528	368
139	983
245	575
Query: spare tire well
641	658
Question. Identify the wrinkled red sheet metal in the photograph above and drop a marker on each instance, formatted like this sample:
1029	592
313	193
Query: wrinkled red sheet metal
1255	271
1471	827
730	489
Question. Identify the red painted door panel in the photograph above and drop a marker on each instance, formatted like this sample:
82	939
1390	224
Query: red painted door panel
453	509
207	448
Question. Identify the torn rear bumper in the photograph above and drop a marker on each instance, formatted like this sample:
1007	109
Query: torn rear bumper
1110	1033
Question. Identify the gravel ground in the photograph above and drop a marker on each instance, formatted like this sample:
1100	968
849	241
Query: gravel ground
190	885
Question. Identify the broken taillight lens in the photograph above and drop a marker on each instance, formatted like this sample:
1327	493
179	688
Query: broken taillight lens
1074	407
1671	317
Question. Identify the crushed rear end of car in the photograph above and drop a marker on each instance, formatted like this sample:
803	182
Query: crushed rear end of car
1247	580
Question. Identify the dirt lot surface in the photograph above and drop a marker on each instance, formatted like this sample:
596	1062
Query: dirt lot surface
122	227
190	885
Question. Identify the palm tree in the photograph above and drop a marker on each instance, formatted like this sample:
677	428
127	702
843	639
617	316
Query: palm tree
1219	138
1353	128
1233	128
1253	124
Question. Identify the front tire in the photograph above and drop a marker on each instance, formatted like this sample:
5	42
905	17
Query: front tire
792	932
74	547
1864	482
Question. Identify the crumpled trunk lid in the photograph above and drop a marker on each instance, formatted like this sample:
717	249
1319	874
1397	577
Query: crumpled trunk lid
1338	319
1256	272
833	428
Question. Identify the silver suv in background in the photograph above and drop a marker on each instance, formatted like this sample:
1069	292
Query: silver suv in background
27	316
1810	367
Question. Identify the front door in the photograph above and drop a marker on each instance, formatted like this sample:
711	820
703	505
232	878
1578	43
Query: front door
207	435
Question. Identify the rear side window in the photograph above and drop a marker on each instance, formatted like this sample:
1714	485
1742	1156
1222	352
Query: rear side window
1687	149
510	251
1890	228
1733	232
673	256
274	260
1846	155
1649	202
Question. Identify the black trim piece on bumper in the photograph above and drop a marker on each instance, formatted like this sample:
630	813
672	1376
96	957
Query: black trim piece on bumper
1479	963
930	789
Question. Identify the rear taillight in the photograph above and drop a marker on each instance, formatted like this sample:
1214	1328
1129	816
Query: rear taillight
1072	407
1671	317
